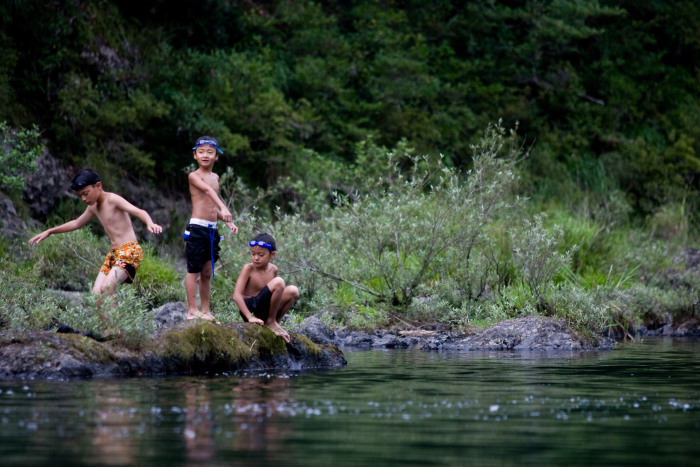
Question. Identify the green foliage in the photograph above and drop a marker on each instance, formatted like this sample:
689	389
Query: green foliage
23	305
366	318
600	86
586	310
536	255
70	261
418	223
19	151
127	312
157	280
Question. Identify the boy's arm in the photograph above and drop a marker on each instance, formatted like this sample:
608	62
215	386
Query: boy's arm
69	226
126	206
230	224
196	181
238	295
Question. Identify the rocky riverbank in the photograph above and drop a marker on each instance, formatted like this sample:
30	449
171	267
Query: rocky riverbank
529	333
200	347
189	347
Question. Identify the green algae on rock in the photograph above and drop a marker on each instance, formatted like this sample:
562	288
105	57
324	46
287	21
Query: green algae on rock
191	347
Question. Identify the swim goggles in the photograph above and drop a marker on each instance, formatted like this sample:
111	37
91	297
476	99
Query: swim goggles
262	244
208	141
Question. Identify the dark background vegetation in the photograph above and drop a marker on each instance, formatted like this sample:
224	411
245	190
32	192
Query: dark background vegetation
604	92
604	89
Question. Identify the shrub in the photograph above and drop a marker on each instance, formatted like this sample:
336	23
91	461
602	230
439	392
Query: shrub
70	261
536	255
157	281
585	311
416	221
23	303
19	151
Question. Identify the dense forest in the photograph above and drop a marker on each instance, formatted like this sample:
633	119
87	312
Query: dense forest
334	114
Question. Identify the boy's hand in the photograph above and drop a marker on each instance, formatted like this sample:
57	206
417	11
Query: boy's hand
232	226
155	228
226	215
256	321
38	238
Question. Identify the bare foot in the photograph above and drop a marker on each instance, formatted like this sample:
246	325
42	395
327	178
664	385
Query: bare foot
192	314
277	329
200	315
209	317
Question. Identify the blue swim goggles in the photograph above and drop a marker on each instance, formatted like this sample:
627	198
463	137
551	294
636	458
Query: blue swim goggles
210	142
261	244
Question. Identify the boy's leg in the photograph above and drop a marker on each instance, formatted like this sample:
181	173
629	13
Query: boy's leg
289	297
205	289
106	285
204	293
276	287
191	289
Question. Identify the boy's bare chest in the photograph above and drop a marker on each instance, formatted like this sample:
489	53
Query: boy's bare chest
259	279
108	213
210	179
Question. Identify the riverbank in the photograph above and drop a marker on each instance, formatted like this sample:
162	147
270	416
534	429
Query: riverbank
536	333
188	348
182	347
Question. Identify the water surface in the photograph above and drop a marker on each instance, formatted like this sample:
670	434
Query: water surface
636	405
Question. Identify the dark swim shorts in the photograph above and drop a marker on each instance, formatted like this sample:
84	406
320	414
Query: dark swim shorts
200	242
259	305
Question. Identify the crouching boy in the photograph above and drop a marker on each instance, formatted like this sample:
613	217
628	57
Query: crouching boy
261	295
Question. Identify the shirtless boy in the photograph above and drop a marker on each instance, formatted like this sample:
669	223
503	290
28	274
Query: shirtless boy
114	213
202	236
261	295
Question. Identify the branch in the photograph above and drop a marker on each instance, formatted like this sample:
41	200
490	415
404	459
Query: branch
340	279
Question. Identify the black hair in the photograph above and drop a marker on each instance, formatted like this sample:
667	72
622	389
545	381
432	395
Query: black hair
84	178
267	238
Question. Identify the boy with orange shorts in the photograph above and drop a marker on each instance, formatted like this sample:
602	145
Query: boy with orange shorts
114	212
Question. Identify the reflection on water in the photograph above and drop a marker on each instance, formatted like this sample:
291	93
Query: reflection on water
252	409
639	404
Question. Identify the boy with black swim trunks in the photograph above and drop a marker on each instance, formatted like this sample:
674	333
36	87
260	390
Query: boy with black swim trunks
114	213
202	235
261	295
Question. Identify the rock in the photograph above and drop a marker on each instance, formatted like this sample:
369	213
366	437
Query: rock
44	187
11	225
529	333
189	347
170	314
315	329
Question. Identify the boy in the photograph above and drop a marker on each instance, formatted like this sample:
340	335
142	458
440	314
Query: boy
113	212
202	236
262	296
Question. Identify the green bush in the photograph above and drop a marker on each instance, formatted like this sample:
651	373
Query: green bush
23	303
415	221
19	151
157	280
536	255
587	311
70	261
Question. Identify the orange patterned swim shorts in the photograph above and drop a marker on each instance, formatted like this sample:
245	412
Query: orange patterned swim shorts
128	257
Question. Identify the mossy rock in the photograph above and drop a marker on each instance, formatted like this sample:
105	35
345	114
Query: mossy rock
192	347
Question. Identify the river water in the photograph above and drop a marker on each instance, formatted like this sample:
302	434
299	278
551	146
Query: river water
636	405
